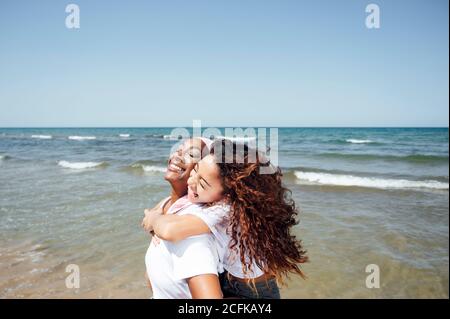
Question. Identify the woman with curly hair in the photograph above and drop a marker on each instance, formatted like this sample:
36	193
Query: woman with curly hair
249	212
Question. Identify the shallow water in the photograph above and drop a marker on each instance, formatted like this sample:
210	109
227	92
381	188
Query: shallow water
369	196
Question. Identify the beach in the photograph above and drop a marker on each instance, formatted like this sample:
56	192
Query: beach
366	196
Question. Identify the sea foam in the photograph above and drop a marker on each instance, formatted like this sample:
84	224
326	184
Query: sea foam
81	138
150	168
124	135
80	165
356	141
44	137
371	182
170	137
237	139
157	169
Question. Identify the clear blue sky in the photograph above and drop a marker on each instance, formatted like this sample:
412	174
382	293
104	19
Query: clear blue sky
227	63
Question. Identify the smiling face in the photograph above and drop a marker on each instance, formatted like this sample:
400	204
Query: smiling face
181	163
204	183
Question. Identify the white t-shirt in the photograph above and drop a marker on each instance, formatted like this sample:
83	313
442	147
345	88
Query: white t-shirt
217	219
170	264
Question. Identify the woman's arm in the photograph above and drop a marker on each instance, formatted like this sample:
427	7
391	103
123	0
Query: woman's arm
205	287
196	260
177	227
158	209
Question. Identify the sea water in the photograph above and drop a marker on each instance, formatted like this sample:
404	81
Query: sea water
366	196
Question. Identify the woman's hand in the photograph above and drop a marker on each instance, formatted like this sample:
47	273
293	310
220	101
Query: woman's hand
149	218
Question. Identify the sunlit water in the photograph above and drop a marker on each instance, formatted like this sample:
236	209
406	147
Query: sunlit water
367	196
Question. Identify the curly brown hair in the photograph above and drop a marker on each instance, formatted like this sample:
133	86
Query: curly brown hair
262	211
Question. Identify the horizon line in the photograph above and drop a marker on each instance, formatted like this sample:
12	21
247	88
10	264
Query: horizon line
186	126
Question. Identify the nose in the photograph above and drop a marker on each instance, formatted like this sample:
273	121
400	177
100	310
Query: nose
193	180
192	185
177	155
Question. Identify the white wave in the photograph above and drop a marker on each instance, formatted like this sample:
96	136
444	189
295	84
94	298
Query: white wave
124	135
2	157
239	139
371	182
170	137
157	169
355	141
79	165
81	138
150	168
45	137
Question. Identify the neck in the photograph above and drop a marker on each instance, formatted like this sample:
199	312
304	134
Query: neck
177	192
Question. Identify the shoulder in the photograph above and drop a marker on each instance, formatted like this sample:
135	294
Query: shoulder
209	214
192	209
198	243
187	253
164	202
218	209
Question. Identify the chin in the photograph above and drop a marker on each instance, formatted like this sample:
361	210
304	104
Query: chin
191	197
171	176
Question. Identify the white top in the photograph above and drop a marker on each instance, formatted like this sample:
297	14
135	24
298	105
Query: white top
217	219
170	264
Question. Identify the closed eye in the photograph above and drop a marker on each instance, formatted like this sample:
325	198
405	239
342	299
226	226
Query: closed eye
195	169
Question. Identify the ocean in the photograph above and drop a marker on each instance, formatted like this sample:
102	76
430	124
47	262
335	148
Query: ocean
366	196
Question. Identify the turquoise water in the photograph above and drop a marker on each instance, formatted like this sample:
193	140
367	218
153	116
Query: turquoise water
367	196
